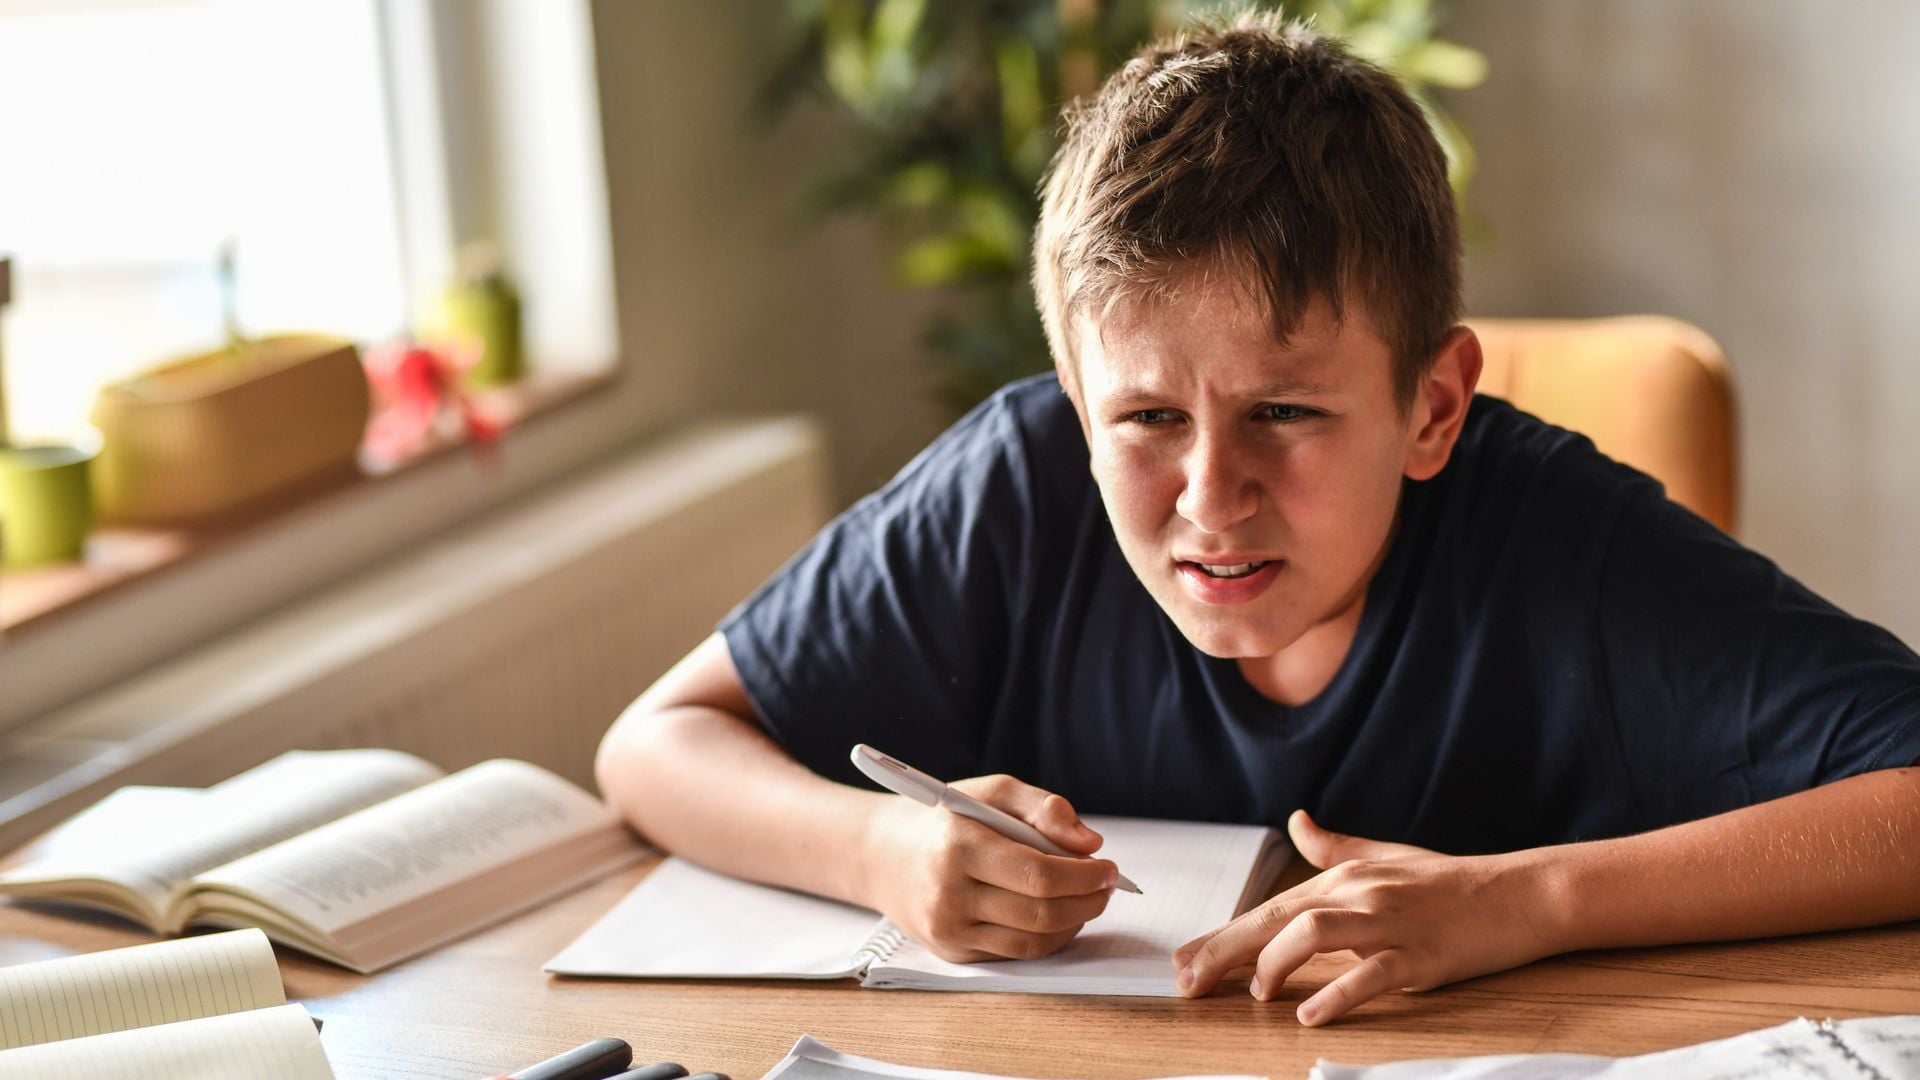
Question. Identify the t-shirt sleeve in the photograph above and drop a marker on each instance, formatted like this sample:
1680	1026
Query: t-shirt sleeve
1731	682
892	626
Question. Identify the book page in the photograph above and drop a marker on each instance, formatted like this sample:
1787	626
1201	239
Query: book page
1192	875
811	1059
268	803
133	987
685	921
130	821
131	818
414	844
279	1042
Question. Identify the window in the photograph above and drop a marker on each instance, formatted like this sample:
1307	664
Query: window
141	141
346	149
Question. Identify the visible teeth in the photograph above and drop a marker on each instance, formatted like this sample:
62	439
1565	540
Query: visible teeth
1239	570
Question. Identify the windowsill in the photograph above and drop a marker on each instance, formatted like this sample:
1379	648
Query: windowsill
32	600
447	640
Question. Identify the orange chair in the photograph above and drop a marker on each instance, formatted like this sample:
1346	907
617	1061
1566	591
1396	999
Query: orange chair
1651	392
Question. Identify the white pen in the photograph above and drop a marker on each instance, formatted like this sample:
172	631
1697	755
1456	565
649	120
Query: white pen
903	779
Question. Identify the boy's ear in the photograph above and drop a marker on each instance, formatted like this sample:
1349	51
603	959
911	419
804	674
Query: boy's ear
1440	405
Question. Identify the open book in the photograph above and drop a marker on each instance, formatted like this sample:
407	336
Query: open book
683	921
361	857
210	1008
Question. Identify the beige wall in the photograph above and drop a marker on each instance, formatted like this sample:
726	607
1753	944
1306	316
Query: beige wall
1753	166
729	298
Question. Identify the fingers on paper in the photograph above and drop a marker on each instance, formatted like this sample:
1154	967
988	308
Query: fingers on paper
1038	915
1306	935
1205	960
1004	941
993	859
1279	938
1009	926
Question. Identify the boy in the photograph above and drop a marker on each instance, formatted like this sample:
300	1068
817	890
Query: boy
1268	552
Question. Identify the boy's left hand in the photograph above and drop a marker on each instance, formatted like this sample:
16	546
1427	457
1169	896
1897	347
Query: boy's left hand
1416	919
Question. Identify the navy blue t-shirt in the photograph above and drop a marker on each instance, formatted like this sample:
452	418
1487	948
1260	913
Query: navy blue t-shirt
1550	651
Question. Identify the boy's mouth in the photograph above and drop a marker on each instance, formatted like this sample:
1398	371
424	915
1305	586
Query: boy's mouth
1236	570
1224	582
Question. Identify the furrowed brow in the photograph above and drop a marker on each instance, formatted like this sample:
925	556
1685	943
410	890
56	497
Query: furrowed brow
1129	396
1291	388
1134	397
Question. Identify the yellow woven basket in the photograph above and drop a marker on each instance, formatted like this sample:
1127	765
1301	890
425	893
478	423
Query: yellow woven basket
205	435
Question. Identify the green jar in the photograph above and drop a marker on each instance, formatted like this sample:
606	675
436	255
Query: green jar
486	313
46	503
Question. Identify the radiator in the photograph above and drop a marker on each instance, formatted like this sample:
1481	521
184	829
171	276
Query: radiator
522	636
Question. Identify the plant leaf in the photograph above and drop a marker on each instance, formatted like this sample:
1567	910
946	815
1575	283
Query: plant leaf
948	259
1443	63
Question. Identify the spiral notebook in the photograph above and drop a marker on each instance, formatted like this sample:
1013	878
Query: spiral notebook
686	922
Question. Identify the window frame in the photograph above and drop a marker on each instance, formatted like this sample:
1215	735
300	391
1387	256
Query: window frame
577	408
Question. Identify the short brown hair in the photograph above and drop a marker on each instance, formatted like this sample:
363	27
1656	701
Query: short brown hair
1256	145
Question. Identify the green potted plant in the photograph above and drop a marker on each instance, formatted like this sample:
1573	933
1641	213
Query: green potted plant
951	111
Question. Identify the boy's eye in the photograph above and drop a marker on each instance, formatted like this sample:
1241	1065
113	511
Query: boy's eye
1150	417
1286	413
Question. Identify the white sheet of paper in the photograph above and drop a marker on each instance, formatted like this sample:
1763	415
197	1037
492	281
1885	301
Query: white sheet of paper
685	921
1796	1049
1890	1044
811	1059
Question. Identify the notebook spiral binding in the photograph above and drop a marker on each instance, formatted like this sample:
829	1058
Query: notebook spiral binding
879	946
1831	1035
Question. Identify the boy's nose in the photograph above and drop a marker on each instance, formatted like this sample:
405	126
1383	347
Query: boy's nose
1220	491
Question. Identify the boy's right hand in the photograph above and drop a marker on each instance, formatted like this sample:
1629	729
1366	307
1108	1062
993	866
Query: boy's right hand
967	893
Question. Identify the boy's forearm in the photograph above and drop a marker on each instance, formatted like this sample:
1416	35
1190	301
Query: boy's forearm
707	785
1843	855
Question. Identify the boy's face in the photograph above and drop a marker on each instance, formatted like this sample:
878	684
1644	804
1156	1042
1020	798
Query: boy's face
1252	485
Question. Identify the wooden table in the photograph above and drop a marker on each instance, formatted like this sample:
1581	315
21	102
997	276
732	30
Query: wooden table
483	1006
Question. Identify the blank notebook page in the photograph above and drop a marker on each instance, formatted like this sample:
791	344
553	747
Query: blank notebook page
687	921
134	987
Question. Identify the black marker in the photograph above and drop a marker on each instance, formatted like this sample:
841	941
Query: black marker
596	1060
659	1070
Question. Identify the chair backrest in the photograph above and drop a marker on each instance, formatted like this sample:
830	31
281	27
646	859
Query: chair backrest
1651	392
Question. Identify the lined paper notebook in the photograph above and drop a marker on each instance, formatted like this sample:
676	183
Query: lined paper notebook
203	1007
683	921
